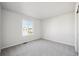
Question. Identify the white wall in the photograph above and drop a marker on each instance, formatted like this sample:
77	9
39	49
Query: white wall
60	29
12	28
77	28
0	29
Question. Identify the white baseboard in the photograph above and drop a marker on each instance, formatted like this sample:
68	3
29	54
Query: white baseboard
59	42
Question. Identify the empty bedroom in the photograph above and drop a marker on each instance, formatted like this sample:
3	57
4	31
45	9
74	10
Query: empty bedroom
39	28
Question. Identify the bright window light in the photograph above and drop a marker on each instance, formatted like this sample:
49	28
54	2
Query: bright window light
27	28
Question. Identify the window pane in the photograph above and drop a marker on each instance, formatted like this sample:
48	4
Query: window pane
26	27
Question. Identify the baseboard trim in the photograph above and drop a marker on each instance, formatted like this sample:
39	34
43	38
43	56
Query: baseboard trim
21	43
58	42
39	39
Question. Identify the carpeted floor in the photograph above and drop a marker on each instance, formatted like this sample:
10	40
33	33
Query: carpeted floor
40	47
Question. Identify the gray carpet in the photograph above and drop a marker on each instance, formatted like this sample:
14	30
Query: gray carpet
40	47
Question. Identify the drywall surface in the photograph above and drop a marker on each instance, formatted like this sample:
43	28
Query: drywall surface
78	33
12	28
60	29
0	29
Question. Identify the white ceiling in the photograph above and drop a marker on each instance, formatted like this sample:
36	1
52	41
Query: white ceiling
40	10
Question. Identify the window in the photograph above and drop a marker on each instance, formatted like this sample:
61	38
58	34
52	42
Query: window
27	27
